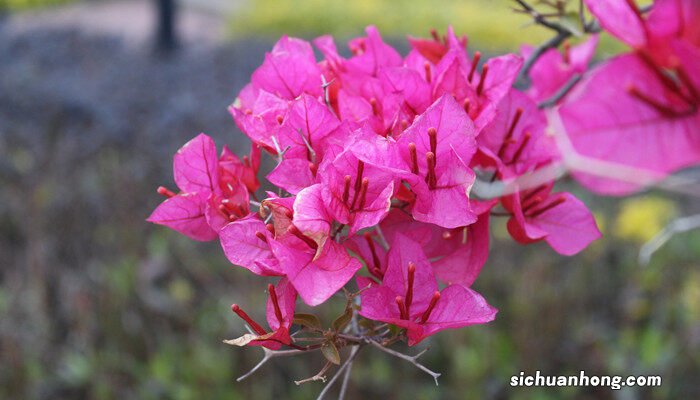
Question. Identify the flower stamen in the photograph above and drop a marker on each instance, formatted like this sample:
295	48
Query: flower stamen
430	177
466	104
475	62
484	73
402	307
521	148
163	191
245	317
432	134
414	157
296	232
376	269
275	303
431	306
346	188
409	288
547	207
358	182
363	193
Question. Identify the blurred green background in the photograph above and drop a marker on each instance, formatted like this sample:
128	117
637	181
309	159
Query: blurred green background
97	304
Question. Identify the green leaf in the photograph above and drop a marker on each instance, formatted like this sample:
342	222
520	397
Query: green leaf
329	351
341	322
308	320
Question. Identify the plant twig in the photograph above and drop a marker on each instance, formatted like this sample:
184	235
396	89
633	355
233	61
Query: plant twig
561	35
412	359
268	355
346	381
539	18
318	377
563	91
343	367
679	225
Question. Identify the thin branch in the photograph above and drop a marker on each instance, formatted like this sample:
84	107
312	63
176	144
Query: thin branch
318	377
326	96
679	225
268	355
563	91
346	381
346	364
310	149
539	18
412	359
561	35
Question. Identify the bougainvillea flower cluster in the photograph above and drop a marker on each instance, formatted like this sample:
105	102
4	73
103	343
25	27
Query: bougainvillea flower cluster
374	159
375	156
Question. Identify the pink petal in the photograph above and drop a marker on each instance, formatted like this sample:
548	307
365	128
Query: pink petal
185	214
458	307
402	252
289	70
616	17
195	166
286	298
450	76
373	213
519	228
448	204
463	263
379	303
311	216
627	130
455	131
307	122
292	175
281	208
243	247
376	54
316	280
570	226
259	119
503	71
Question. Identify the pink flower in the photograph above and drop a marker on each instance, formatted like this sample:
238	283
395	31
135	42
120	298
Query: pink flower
654	36
355	191
289	70
434	153
408	296
435	48
457	254
514	142
246	243
305	128
641	120
560	219
553	69
479	93
294	245
646	102
280	316
259	114
212	192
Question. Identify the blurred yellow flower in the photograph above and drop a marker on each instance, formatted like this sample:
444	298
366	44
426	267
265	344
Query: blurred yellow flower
640	219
